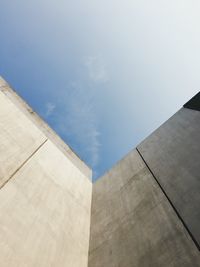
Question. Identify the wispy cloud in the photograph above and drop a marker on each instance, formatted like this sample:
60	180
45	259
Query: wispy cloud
49	109
96	69
76	120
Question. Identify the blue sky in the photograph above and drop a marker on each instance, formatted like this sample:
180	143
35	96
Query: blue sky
104	74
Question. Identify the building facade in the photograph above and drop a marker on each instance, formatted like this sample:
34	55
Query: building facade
144	212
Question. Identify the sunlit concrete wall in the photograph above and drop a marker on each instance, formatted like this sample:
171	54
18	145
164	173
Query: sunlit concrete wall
134	222
45	192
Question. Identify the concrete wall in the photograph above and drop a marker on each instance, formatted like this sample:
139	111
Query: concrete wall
19	138
45	195
172	153
133	223
145	210
29	113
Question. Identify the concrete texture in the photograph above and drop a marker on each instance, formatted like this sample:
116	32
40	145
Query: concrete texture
45	213
46	194
19	138
173	154
43	127
133	224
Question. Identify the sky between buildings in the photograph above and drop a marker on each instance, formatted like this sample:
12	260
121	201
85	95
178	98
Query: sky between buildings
104	74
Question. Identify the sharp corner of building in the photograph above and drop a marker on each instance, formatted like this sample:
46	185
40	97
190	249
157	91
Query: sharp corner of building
193	103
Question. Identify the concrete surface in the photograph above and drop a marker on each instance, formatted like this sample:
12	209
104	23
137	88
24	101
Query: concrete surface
46	194
173	154
133	224
45	213
19	138
43	127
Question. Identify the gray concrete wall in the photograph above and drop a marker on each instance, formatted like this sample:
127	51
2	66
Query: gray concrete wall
145	210
133	223
45	193
173	154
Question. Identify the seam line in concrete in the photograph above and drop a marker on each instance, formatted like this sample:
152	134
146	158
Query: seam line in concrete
13	174
174	208
42	125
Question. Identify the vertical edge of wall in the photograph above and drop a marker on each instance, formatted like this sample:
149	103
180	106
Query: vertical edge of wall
90	236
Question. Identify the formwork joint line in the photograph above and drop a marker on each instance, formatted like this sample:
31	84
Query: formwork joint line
174	208
13	174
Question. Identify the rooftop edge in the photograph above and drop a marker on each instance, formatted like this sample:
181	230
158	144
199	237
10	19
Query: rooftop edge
45	128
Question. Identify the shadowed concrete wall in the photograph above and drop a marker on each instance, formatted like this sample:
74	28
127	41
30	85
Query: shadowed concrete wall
45	195
133	224
172	153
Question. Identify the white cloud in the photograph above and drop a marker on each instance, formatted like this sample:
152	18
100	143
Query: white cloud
49	109
77	121
96	69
